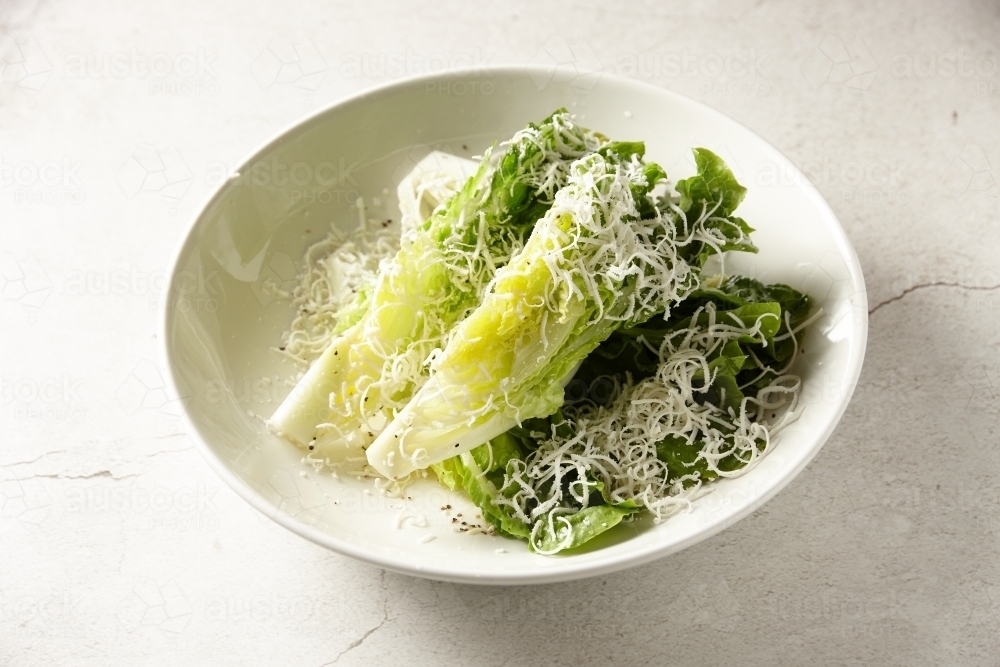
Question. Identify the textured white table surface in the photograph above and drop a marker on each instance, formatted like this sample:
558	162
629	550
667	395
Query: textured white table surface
119	546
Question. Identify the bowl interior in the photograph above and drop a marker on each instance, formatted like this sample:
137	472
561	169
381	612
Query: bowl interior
221	318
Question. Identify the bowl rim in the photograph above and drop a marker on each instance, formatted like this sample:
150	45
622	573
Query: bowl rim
566	571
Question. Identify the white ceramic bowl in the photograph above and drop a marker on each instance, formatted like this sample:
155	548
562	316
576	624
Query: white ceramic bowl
219	323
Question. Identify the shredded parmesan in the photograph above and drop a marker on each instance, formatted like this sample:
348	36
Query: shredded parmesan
335	271
414	519
614	445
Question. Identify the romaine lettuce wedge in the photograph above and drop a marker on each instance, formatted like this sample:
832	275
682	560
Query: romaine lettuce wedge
434	281
590	266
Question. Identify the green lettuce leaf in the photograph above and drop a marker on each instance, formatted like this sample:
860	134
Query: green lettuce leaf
573	530
715	192
632	350
479	473
713	185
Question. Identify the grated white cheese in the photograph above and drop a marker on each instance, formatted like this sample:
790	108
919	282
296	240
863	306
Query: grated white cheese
334	271
414	519
615	444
